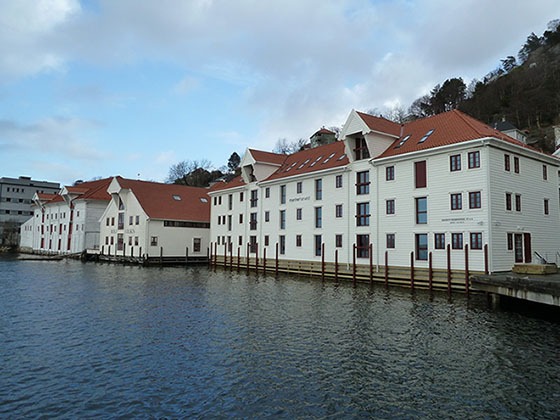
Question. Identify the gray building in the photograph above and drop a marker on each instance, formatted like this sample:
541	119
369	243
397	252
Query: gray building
16	196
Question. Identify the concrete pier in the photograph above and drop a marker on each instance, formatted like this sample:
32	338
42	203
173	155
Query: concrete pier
544	289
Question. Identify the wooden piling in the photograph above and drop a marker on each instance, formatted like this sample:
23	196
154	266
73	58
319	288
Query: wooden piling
467	269
370	263
264	261
354	264
323	262
386	269
412	270
449	268
486	269
430	271
336	265
276	266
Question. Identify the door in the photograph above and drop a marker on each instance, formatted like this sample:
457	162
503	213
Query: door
518	247
527	245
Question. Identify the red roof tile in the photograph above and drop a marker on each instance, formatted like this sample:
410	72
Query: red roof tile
380	124
92	190
226	185
170	201
448	128
267	157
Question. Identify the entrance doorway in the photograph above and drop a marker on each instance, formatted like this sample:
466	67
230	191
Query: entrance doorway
522	248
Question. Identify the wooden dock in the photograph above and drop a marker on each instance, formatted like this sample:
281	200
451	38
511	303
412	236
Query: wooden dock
543	289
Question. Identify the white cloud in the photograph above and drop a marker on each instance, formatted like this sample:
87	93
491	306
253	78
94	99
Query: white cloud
186	85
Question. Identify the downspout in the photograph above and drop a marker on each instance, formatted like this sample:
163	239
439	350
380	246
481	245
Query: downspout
485	144
378	210
349	247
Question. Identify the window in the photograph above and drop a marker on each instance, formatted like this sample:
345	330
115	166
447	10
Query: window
455	163
318	217
508	201
318	189
282	194
318	245
338	241
338	181
545	206
510	241
362	246
229	222
254	198
474	200
390	206
267	192
267	216
421	210
153	240
282	219
241	196
106	221
390	173
439	240
241	218
253	221
298	214
456	201
240	240
215	201
197	244
298	241
230	201
338	210
361	150
421	246
266	240
516	164
362	182
137	220
457	240
112	221
474	159
362	214
130	220
390	240
253	244
220	200
136	241
282	244
120	224
299	187
476	240
517	202
420	174
507	165
544	172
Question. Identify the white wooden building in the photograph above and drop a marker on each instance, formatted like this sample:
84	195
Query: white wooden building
66	222
419	187
151	219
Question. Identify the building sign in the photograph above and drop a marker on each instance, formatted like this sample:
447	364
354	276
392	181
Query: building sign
294	200
457	220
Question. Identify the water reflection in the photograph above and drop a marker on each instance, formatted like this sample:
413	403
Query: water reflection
93	340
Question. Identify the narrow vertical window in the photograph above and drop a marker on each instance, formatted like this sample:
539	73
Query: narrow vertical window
298	241
318	189
422	246
517	202
455	163
282	194
439	240
362	214
516	164
338	210
476	240
362	246
475	200
421	210
457	240
510	241
362	182
299	187
253	221
545	206
544	172
508	201
456	201
267	192
338	241
230	201
254	197
420	174
318	217
390	206
338	181
241	196
390	239
507	164
282	219
361	150
299	213
390	173
318	244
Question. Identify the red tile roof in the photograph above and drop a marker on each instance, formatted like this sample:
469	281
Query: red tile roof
170	201
310	160
380	124
448	128
267	157
323	131
92	190
226	185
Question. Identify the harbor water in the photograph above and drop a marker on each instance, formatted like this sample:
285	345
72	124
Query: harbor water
110	341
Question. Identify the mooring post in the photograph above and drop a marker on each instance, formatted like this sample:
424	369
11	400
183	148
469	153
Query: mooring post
486	269
230	256
247	262
123	249
386	269
160	255
448	268
186	255
215	254
323	262
276	268
131	252
225	255
264	261
238	258
257	257
336	265
370	263
467	269
412	270
208	254
354	264
430	271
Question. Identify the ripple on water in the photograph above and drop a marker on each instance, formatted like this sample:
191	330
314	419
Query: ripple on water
87	340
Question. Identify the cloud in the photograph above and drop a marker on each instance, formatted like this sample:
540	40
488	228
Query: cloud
58	136
186	85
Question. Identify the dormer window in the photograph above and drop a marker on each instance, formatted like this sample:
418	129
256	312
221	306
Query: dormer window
121	204
361	150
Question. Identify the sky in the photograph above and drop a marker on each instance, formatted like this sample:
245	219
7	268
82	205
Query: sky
98	88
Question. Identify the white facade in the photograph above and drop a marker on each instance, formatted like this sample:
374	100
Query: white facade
465	203
127	229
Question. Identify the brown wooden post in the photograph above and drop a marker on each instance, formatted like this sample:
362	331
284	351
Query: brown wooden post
386	268
186	255
323	261
215	254
238	258
336	265
109	250
230	256
123	249
276	268
102	247
486	269
209	255
140	253
257	258
264	261
412	270
160	255
131	252
225	255
354	264
247	262
467	269
370	263
430	271
449	268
